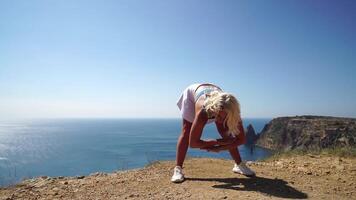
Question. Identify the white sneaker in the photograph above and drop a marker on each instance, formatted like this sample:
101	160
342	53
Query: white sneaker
178	175
243	169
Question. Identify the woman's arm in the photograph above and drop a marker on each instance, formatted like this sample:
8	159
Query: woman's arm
234	141
222	129
241	138
196	131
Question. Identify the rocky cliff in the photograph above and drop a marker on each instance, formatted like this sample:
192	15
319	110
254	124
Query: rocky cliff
308	132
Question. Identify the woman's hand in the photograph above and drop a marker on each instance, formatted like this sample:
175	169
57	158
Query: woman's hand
226	141
210	143
220	144
217	148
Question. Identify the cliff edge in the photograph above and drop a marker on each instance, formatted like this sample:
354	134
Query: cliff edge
308	132
297	177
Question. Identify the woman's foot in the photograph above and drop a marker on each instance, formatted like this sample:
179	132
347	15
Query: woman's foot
178	175
243	169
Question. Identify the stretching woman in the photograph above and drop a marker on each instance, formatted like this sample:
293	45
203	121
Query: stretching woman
201	104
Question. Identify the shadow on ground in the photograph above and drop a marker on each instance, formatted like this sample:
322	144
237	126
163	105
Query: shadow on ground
273	187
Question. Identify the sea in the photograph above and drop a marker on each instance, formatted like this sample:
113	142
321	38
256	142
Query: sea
77	147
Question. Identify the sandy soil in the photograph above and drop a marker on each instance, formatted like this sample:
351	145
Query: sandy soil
298	177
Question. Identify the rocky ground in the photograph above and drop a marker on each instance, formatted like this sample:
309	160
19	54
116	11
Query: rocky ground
293	177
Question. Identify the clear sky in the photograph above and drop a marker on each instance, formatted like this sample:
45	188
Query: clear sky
130	58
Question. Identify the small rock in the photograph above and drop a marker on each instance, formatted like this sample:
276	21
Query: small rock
279	164
10	198
249	162
95	174
340	167
80	177
302	169
40	184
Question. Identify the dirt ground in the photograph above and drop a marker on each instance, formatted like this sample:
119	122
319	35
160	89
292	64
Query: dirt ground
297	177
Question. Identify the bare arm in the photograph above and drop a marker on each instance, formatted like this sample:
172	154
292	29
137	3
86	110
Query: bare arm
199	122
222	129
230	142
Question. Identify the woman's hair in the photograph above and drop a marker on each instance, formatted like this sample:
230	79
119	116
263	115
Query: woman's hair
217	101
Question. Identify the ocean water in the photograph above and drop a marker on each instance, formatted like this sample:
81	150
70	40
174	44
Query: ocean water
70	147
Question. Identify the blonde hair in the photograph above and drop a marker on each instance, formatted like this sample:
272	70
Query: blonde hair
217	101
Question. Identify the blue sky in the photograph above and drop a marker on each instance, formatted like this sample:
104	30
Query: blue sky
133	58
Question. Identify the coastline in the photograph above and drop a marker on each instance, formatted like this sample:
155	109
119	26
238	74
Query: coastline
81	146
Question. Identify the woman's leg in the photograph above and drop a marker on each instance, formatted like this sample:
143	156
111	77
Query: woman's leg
235	154
183	143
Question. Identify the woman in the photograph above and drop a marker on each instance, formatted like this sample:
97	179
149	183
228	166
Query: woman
205	103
